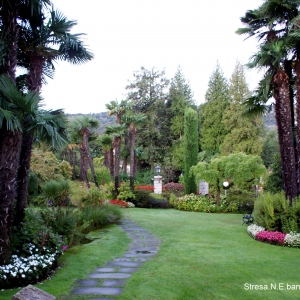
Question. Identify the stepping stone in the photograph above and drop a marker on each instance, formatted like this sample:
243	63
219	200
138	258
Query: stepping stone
122	259
106	270
111	283
128	270
87	282
123	264
97	291
109	275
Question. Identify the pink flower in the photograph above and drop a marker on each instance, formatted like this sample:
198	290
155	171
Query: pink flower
271	237
64	248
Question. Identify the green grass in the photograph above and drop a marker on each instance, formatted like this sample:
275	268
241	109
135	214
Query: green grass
79	261
202	256
209	256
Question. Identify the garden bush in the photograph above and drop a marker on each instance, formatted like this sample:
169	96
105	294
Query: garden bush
141	198
243	199
157	202
92	218
201	203
175	188
102	175
56	193
272	211
125	193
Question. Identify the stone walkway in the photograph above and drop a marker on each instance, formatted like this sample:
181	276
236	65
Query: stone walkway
110	279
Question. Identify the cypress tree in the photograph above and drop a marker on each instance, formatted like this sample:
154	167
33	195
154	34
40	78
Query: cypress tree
190	139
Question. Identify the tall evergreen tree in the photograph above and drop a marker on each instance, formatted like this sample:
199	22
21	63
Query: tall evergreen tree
148	94
180	97
190	149
213	131
244	133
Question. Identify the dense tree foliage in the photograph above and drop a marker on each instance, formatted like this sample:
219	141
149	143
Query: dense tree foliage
190	149
212	130
244	133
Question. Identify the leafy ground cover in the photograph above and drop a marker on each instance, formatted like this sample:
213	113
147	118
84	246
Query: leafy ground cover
202	256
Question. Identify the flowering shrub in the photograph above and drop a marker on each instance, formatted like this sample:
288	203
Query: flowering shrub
259	233
145	187
119	203
28	270
173	187
254	229
194	202
292	239
271	237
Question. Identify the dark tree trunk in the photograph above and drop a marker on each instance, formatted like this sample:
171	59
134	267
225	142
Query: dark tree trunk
22	178
125	159
106	158
9	21
10	146
74	162
88	155
111	162
117	145
132	131
297	69
285	133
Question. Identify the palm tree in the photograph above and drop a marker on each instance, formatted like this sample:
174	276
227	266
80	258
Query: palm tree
116	132
106	143
270	23
37	55
14	104
84	126
48	126
134	120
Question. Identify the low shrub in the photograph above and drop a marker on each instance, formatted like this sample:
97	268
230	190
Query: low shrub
93	197
102	175
157	203
125	193
149	188
141	198
92	218
56	193
272	211
202	203
117	202
175	188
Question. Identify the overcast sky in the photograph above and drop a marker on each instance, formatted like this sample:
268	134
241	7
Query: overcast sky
127	34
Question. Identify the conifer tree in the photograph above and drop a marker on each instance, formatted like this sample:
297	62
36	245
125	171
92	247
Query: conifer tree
212	130
244	133
190	149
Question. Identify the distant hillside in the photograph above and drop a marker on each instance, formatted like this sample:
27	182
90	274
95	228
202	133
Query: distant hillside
102	117
270	121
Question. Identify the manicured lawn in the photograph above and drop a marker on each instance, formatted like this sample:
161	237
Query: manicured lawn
209	256
202	256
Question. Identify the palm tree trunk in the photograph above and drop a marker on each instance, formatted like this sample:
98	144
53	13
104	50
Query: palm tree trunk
22	178
10	146
132	155
297	69
285	133
111	161
74	162
9	21
88	154
117	145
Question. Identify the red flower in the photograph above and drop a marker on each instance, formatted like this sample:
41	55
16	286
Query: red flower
119	203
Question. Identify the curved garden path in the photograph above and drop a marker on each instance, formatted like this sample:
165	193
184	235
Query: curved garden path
109	280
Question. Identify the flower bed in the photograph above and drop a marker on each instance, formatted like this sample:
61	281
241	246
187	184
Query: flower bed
259	233
28	270
118	203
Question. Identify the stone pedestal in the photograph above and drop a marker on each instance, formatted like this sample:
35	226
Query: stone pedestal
30	292
157	184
